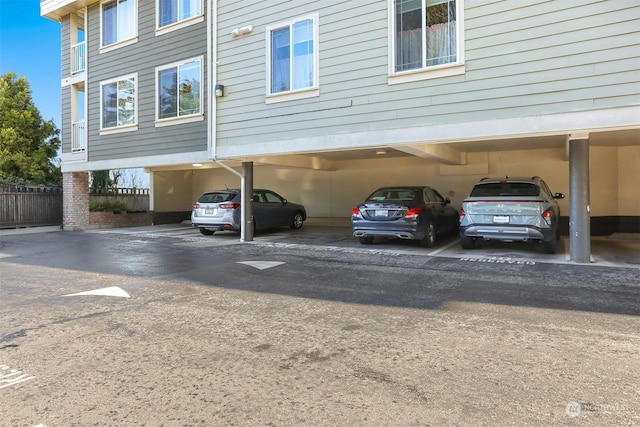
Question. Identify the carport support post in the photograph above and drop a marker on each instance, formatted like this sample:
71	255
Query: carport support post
246	210
579	220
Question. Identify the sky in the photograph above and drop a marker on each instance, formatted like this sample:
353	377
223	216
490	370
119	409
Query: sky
30	47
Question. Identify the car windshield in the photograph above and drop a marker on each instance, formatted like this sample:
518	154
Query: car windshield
385	194
494	189
217	197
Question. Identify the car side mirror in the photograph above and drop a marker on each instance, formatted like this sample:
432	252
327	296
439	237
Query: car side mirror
447	201
284	201
558	196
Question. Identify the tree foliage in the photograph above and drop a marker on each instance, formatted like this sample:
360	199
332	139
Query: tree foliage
101	180
28	144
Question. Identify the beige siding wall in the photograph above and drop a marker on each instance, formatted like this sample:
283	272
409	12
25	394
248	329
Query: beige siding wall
628	180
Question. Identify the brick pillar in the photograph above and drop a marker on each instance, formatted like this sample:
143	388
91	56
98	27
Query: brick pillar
75	201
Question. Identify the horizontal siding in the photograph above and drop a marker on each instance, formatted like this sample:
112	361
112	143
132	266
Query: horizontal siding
142	58
523	58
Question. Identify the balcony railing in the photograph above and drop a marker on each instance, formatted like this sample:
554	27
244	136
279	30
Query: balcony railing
78	58
78	136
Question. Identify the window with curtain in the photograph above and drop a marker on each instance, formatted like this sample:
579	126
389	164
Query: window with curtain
425	33
118	21
118	102
172	11
293	57
180	90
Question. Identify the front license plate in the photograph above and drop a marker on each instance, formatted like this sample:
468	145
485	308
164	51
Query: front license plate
501	219
381	212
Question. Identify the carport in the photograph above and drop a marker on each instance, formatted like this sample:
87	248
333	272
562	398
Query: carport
569	162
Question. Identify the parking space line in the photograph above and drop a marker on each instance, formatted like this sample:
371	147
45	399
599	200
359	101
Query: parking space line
444	248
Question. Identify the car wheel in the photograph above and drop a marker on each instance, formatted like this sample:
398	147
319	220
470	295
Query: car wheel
549	246
366	240
297	221
430	239
206	232
467	242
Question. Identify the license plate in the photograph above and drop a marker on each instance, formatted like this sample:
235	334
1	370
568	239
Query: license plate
381	212
209	211
501	219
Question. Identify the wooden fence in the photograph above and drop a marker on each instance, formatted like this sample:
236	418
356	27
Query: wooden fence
22	206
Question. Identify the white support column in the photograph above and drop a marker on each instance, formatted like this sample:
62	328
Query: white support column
246	209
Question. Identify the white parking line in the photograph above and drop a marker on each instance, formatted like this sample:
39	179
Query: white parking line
9	376
444	248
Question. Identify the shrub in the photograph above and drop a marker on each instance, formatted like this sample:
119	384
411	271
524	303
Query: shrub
107	205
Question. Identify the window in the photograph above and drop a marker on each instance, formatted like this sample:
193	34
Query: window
172	11
118	103
118	21
293	56
180	90
425	33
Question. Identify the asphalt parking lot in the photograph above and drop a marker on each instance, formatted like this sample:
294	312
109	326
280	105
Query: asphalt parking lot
163	326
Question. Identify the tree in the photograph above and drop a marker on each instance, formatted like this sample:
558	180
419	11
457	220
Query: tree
100	180
28	144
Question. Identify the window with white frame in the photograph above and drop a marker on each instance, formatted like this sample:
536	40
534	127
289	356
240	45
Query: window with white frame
293	56
118	20
425	33
179	90
118	102
173	11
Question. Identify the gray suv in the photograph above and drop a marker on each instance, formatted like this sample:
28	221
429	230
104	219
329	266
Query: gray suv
511	209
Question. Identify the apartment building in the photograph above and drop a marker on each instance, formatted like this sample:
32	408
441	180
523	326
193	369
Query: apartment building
326	100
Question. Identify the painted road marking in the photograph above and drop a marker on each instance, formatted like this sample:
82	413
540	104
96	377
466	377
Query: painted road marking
498	260
10	376
261	265
437	251
113	291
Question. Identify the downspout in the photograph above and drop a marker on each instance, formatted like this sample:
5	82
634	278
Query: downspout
212	72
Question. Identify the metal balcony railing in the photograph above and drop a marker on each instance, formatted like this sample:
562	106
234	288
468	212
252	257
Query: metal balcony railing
78	58
78	136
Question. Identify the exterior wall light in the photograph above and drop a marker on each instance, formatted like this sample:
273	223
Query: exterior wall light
219	91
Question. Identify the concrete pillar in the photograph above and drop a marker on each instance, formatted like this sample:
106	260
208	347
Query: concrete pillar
75	201
580	219
246	213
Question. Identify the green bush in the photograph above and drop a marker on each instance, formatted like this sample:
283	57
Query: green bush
107	205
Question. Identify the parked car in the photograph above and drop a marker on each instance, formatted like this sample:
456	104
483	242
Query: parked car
415	213
511	209
220	210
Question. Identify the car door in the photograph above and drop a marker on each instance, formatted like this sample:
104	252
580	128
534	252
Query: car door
449	215
260	212
276	210
436	204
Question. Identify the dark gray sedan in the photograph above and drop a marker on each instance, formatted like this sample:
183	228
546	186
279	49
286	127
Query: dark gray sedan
220	211
414	213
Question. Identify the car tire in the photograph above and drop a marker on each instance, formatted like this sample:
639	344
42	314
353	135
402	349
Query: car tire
467	242
206	232
549	246
366	240
430	239
297	221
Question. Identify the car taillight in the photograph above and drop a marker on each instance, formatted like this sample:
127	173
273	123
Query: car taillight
355	212
461	213
548	216
196	205
413	213
230	206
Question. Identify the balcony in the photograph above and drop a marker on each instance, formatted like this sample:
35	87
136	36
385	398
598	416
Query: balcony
78	58
78	136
